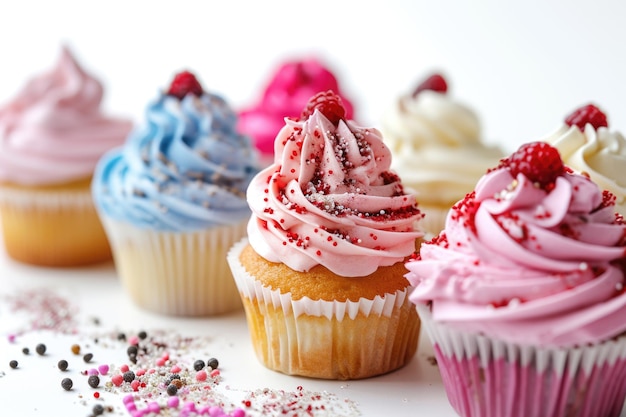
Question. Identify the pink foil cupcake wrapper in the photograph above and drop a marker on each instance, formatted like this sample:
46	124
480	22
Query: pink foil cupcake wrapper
252	289
484	377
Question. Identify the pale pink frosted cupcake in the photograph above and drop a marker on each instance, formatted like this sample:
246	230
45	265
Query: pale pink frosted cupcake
52	134
287	92
522	293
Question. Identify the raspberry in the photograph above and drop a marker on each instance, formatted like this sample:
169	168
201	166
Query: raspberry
435	82
587	114
184	82
328	103
538	161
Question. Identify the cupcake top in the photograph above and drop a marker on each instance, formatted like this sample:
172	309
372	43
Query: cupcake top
329	198
436	143
586	144
287	92
535	255
54	131
185	169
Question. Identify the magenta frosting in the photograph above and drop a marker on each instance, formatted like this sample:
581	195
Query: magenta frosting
522	264
287	93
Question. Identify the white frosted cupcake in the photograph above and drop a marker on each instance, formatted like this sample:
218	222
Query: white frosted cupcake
321	277
172	201
437	148
587	144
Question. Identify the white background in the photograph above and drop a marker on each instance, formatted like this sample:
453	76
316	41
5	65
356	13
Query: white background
521	65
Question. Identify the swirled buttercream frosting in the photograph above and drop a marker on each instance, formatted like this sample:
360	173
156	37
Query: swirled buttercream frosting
54	130
535	254
436	143
186	168
330	198
587	144
286	94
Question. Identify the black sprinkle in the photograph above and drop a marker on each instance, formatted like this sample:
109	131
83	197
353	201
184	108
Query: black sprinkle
132	349
62	365
129	376
142	335
93	381
199	365
121	336
41	349
213	363
13	364
97	410
67	384
26	351
172	377
172	389
88	357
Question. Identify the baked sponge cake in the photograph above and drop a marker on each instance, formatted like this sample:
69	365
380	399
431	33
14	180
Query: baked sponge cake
321	271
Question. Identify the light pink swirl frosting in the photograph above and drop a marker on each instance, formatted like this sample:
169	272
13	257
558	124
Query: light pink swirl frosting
526	265
54	131
329	199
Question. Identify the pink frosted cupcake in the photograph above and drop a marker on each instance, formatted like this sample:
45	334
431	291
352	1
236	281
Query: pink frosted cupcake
286	94
52	134
522	293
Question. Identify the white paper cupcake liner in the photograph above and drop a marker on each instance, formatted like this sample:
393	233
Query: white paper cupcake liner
484	377
326	339
182	274
48	200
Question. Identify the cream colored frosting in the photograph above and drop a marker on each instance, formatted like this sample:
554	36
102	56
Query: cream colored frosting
54	130
601	153
436	146
329	199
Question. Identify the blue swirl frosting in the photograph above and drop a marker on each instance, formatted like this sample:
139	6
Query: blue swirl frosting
185	169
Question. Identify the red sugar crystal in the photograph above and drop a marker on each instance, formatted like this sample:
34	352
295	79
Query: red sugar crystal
328	103
435	82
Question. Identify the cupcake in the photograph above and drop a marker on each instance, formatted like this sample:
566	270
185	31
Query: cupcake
522	293
286	94
51	136
172	201
587	145
321	273
437	148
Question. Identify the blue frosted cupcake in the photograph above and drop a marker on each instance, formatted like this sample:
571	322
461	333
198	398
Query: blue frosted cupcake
172	201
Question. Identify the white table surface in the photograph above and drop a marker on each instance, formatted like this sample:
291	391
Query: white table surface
34	388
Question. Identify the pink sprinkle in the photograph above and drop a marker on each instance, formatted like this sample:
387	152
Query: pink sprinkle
11	338
239	413
103	369
138	413
133	340
131	407
135	384
175	369
92	371
166	356
124	368
173	402
201	376
153	407
151	371
214	373
128	399
160	362
117	380
189	406
215	411
140	372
